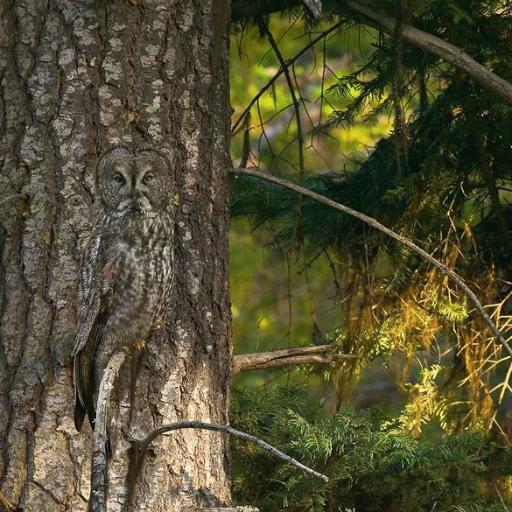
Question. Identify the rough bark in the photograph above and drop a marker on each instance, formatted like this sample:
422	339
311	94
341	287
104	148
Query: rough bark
76	77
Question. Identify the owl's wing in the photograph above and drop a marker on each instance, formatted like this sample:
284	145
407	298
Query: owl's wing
96	286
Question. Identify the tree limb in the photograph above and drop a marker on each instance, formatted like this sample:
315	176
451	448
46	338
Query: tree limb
99	465
141	445
399	238
416	37
291	356
441	48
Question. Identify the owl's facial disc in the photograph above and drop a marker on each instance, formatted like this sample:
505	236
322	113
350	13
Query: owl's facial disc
134	183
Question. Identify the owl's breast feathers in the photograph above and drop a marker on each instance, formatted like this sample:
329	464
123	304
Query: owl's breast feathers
126	280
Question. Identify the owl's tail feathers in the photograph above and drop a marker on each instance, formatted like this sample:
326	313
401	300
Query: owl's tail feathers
79	416
82	410
84	394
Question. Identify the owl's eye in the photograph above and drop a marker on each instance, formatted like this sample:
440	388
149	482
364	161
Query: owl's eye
119	178
148	178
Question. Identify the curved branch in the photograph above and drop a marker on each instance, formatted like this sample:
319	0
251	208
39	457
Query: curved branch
399	238
144	443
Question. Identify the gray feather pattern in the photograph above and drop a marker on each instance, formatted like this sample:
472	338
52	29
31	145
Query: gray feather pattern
127	270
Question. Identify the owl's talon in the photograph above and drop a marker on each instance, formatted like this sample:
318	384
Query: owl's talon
157	324
138	344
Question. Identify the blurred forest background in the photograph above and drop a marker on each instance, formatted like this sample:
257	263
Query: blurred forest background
420	419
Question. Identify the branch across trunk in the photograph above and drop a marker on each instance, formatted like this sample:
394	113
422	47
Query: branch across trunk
142	445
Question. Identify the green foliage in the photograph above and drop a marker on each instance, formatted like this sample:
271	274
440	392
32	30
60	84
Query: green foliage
372	463
441	176
394	132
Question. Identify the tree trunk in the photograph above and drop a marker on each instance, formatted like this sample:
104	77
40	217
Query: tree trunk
77	76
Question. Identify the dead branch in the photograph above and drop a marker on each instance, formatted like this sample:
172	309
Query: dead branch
141	445
288	357
399	238
439	47
99	465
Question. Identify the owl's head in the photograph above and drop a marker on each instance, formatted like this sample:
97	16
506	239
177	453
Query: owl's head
134	180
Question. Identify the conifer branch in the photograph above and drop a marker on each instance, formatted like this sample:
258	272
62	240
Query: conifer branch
437	46
399	238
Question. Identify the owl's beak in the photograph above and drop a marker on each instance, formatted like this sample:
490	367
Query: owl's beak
141	207
135	208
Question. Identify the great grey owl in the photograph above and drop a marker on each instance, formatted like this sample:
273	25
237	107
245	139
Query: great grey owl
127	270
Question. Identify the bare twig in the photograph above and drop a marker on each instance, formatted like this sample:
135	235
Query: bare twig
291	88
142	445
298	121
502	501
99	465
399	238
291	356
443	49
290	61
